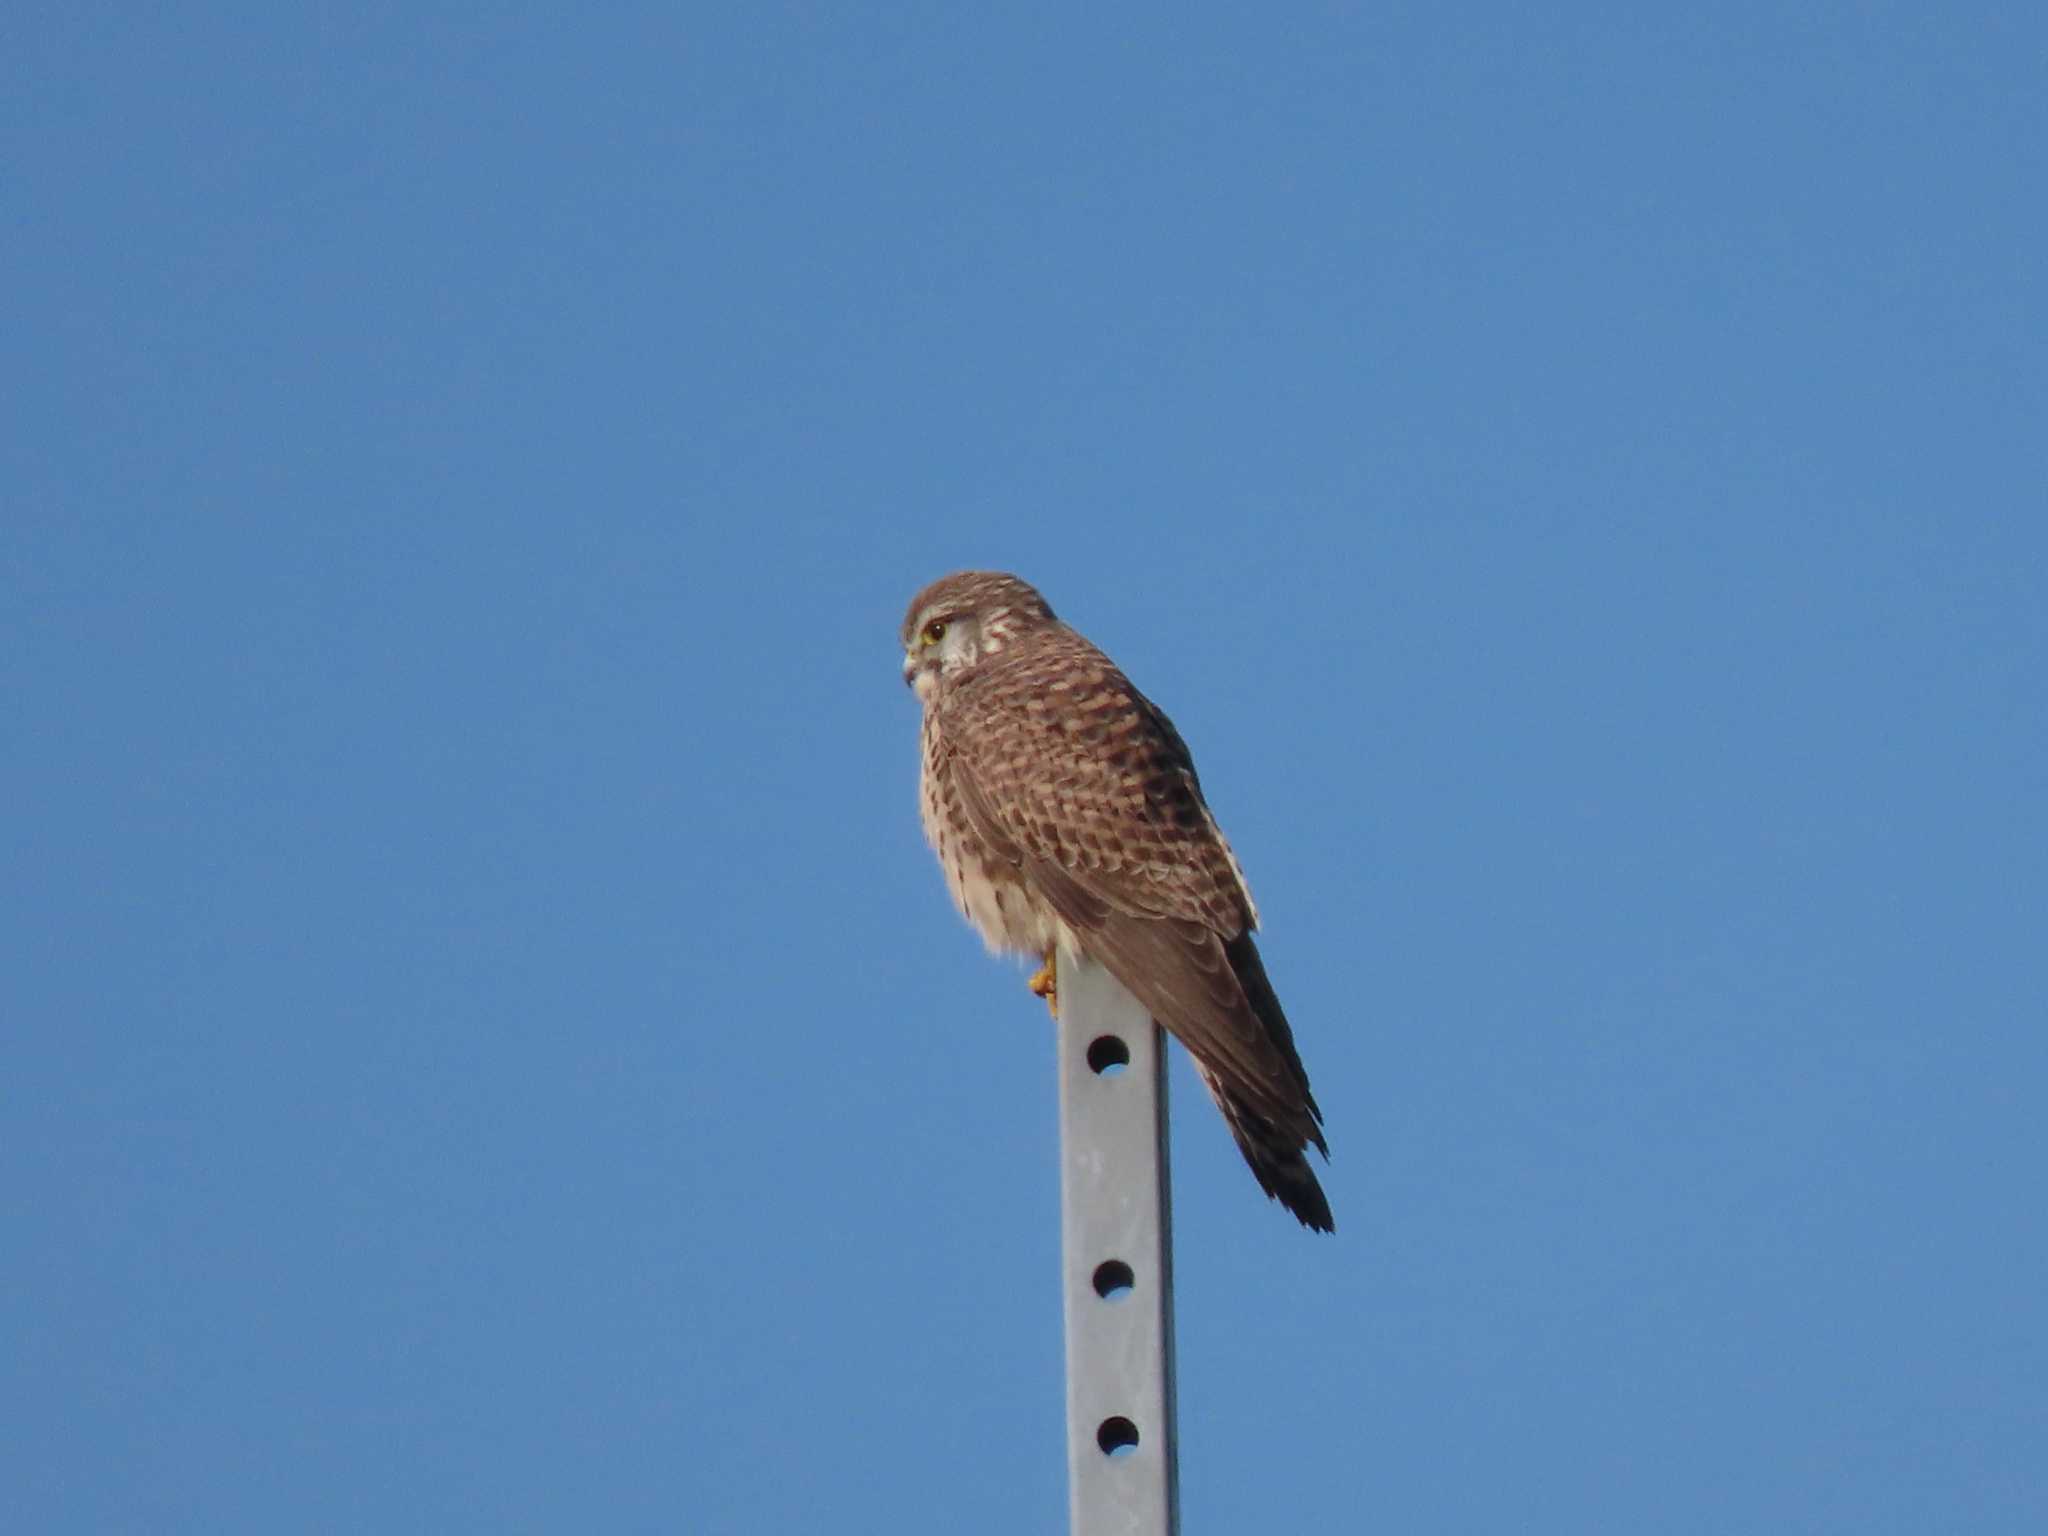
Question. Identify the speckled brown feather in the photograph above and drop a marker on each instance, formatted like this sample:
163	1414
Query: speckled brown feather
1055	789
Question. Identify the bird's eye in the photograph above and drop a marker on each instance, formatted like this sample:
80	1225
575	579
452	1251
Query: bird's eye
935	631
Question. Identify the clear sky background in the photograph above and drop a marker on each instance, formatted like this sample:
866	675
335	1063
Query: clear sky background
486	1048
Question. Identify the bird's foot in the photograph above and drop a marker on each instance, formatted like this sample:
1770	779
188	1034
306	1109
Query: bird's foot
1045	981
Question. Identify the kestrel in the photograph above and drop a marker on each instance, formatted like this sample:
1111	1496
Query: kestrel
1063	804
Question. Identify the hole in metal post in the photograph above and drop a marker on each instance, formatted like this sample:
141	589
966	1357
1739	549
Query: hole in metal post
1117	1436
1107	1055
1113	1280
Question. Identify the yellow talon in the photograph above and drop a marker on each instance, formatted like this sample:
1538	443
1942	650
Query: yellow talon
1045	981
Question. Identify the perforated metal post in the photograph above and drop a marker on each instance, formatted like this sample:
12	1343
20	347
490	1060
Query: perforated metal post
1117	1256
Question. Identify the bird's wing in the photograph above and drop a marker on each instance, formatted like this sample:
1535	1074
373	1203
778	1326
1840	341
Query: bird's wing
1072	775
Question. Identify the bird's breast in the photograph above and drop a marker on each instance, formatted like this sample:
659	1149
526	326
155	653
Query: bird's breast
995	902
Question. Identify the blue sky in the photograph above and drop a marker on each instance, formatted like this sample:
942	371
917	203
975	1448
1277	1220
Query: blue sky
487	1049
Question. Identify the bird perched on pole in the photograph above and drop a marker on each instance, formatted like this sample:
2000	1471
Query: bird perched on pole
1063	804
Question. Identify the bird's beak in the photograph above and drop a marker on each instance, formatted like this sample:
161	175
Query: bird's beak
910	669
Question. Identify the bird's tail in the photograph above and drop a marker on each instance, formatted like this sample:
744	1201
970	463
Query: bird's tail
1274	1125
1279	1161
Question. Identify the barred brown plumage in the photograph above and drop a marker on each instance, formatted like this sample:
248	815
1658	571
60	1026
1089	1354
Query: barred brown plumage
1061	802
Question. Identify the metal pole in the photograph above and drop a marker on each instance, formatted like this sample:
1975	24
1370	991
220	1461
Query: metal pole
1117	1256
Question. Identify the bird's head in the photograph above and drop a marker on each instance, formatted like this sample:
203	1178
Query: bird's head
957	620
